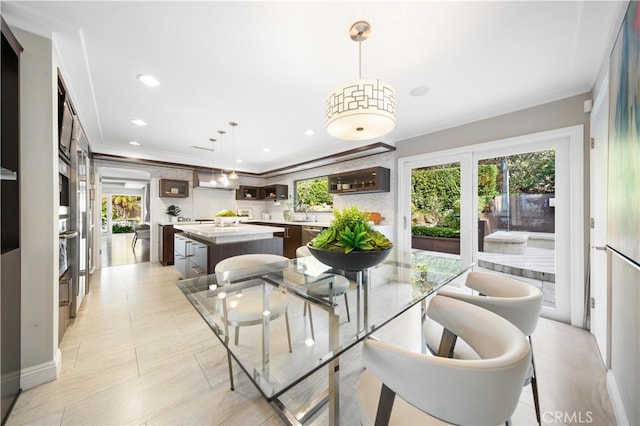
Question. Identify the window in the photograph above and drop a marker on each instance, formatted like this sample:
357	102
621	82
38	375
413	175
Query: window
120	213
312	195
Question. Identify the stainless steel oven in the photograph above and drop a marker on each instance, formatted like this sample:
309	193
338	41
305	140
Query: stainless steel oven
63	187
65	271
64	236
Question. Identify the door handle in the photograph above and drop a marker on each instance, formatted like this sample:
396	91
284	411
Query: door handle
67	235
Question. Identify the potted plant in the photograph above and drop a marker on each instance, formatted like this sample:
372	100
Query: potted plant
173	211
350	243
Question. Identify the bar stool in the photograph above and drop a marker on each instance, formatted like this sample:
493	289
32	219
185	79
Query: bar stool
141	231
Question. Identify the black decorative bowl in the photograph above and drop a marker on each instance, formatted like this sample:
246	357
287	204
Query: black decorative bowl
354	261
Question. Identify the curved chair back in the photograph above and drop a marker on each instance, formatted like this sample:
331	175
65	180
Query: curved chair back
247	261
482	391
517	301
250	310
303	251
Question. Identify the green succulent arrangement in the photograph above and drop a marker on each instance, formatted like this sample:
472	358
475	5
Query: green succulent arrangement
350	230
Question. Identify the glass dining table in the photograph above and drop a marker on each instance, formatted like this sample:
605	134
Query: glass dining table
276	360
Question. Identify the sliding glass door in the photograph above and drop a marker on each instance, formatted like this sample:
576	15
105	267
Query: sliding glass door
515	212
516	217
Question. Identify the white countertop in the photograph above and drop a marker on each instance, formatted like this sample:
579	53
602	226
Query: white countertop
219	234
289	222
190	222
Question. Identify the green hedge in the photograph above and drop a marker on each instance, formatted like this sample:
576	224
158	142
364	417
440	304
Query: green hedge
435	231
435	193
435	189
121	229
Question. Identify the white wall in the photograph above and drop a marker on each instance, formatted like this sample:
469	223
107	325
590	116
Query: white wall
39	210
382	202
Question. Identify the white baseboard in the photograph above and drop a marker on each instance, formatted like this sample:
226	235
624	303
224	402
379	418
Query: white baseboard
45	372
616	400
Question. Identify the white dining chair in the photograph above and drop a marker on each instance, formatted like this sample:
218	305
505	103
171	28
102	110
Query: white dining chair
516	301
401	387
249	309
340	287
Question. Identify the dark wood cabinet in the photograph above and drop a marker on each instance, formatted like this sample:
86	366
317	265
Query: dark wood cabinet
275	192
218	252
292	240
166	243
269	192
373	179
248	193
172	188
291	237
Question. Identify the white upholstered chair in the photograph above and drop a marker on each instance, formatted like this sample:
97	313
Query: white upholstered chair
340	287
401	387
248	309
516	301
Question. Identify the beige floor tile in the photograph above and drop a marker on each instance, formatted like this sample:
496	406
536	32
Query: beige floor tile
141	398
162	353
138	353
53	418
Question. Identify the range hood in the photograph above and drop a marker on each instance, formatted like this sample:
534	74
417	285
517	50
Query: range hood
203	180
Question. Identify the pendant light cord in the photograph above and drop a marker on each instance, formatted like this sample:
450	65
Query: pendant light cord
360	60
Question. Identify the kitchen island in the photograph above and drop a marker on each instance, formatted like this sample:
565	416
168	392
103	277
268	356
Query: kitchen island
296	233
200	247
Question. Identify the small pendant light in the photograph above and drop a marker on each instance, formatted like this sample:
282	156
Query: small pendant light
233	175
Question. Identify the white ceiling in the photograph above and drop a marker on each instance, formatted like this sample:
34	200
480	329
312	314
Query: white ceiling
269	66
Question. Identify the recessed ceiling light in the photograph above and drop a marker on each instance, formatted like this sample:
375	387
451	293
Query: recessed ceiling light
309	132
419	91
265	150
148	80
139	122
134	143
239	160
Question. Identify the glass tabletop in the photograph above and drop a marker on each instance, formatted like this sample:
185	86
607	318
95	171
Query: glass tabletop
274	299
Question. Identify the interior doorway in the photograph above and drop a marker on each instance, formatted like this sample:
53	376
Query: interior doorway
563	247
125	205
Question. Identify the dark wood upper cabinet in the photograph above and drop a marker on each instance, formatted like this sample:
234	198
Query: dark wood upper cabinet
373	179
275	192
172	188
245	192
269	192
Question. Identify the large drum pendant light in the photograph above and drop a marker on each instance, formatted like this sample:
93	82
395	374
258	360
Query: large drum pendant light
364	108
